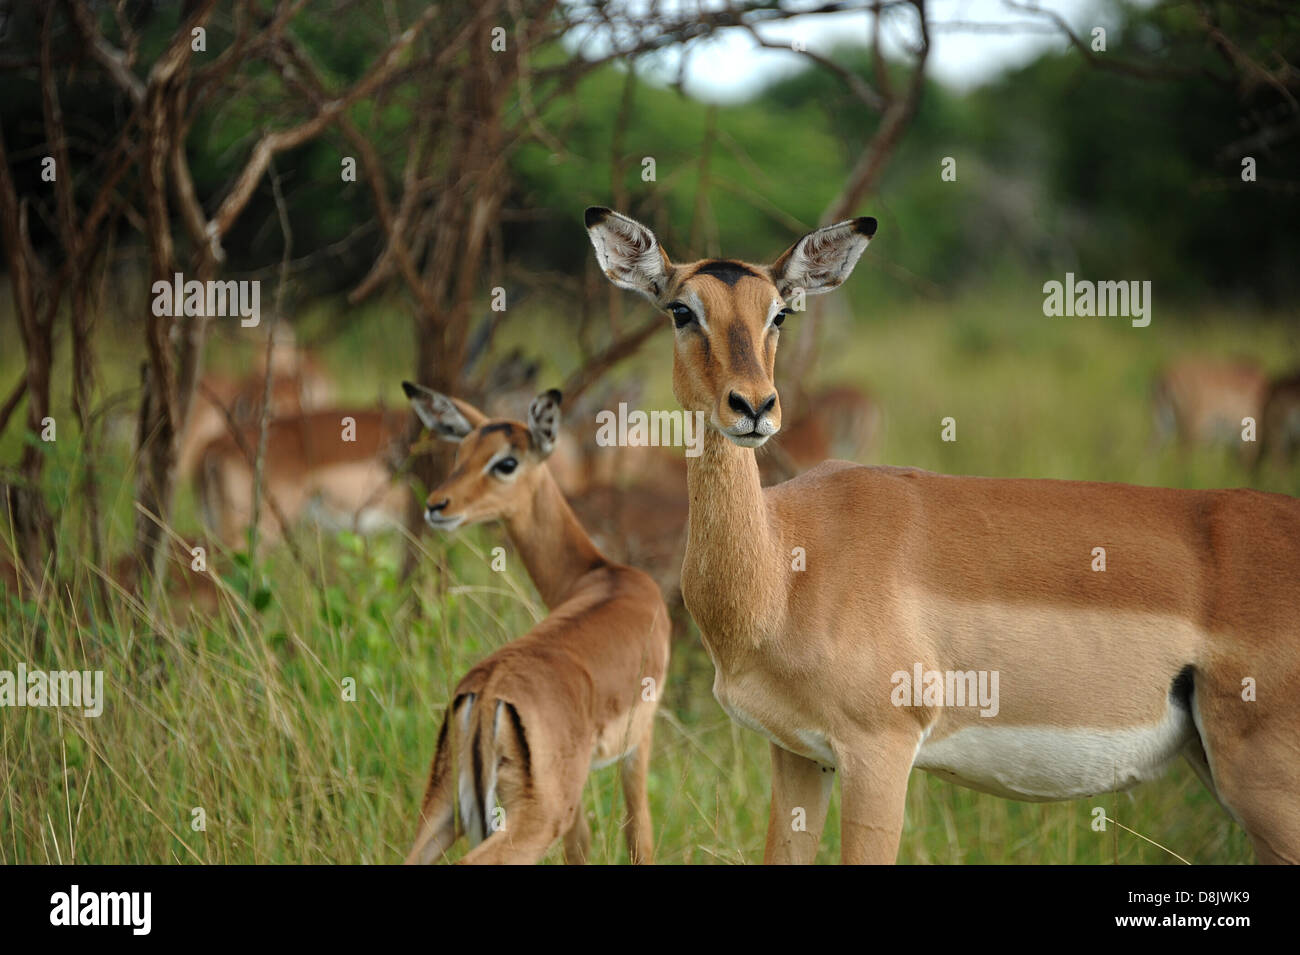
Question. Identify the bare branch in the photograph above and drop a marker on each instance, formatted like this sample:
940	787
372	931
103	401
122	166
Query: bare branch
856	85
327	113
12	402
867	171
115	63
1107	62
627	345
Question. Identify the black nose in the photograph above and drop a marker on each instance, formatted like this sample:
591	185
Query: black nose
435	508
741	406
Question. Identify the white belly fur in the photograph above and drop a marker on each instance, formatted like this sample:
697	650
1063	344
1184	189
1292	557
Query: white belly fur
1041	764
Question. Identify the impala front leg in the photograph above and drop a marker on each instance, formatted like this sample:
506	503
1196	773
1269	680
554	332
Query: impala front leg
873	793
801	791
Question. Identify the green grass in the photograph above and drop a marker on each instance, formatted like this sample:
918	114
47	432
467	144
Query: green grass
242	714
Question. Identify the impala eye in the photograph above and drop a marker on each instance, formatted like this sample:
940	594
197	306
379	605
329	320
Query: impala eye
780	316
505	466
682	316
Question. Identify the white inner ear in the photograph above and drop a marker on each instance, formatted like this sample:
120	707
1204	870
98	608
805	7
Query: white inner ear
425	413
438	413
445	419
457	424
544	423
629	254
822	260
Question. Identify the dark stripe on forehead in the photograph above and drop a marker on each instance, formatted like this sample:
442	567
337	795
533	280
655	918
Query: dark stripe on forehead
724	270
741	352
516	435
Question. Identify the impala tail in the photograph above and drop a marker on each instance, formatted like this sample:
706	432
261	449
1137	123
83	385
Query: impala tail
479	739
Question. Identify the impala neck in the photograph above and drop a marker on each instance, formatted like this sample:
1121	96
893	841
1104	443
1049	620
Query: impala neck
555	549
734	577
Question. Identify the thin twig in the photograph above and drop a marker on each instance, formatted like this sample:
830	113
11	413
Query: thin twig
264	413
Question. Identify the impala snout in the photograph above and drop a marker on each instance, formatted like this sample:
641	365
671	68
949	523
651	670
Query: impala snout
436	513
750	420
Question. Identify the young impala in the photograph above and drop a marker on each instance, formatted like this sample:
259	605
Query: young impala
1123	625
579	690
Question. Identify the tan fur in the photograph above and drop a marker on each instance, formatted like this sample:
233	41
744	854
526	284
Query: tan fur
569	695
633	499
1279	422
1203	401
298	385
956	573
307	463
579	464
640	524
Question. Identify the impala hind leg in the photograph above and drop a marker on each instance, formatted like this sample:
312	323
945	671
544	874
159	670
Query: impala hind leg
536	810
1262	789
523	840
1254	758
635	769
529	827
437	833
529	822
801	793
437	829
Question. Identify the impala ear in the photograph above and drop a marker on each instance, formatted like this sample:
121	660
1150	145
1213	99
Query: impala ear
824	258
628	253
544	421
449	419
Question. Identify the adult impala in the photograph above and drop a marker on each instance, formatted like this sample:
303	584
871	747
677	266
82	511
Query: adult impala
1105	676
1203	401
527	725
335	464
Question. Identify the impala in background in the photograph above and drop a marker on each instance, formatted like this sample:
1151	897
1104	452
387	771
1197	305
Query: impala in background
298	384
1204	401
335	465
